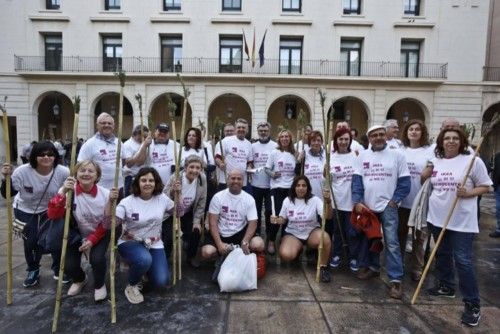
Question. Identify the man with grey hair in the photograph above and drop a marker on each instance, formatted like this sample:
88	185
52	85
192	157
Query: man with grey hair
392	132
102	149
261	150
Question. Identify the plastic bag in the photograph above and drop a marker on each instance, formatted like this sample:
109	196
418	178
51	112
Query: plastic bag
238	272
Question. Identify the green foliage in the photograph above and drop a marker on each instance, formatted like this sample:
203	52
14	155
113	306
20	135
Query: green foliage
469	130
217	127
138	97
76	104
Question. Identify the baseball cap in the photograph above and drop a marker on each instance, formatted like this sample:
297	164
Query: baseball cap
162	127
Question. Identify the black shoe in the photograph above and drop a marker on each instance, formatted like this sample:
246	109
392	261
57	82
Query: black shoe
471	315
32	279
324	274
495	234
442	290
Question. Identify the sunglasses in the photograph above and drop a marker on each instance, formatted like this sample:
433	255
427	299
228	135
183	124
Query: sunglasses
46	154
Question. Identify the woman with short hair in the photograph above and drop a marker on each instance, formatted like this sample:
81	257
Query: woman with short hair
33	185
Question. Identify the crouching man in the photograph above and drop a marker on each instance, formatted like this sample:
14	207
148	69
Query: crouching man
233	221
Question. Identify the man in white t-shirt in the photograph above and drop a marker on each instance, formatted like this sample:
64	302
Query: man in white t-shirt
161	152
234	153
260	180
134	155
381	180
102	149
233	221
392	132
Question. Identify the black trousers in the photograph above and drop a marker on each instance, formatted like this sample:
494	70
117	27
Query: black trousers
190	237
262	196
279	196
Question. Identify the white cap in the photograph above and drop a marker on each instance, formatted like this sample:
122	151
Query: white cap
373	128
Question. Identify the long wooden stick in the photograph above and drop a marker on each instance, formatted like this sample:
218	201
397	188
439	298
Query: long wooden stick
118	165
222	156
175	245
8	197
67	216
450	212
325	206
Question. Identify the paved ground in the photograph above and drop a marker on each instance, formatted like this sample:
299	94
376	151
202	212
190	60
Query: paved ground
288	300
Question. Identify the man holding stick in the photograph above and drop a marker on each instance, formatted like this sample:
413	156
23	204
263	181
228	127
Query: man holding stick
134	155
380	181
161	152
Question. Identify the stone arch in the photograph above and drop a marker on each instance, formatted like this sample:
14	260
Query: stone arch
353	110
109	101
289	111
55	115
227	108
158	113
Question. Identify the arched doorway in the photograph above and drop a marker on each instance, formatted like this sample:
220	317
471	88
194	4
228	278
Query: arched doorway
351	110
227	108
110	103
405	109
491	144
160	114
55	117
288	112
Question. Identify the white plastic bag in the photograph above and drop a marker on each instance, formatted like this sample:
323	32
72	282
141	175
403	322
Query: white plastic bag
238	272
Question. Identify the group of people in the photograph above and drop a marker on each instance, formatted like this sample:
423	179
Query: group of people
233	181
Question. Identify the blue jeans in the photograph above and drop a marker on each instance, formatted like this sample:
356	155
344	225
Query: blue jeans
32	252
393	260
497	198
351	236
142	261
455	250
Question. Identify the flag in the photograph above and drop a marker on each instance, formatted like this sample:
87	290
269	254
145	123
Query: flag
261	50
253	49
246	45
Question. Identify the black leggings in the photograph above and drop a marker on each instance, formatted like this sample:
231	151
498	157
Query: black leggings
279	196
72	266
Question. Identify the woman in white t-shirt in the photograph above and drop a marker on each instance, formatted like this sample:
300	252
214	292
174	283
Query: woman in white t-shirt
418	153
312	162
280	167
342	162
192	189
91	216
140	245
33	185
455	251
300	213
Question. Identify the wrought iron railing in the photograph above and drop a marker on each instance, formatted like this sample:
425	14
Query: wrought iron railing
213	65
491	73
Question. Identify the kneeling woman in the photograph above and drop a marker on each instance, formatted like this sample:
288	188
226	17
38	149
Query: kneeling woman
91	213
301	210
140	244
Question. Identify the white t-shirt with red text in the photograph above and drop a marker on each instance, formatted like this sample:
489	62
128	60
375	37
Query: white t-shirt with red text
237	154
341	170
417	159
446	176
302	217
234	211
162	158
313	169
380	171
261	153
283	162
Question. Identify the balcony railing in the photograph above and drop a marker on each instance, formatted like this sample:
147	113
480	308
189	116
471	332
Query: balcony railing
212	66
491	73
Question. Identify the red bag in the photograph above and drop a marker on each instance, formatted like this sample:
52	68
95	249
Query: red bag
261	265
57	207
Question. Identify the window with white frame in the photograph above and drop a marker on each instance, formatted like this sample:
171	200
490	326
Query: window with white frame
231	5
291	55
171	53
112	53
171	5
410	58
351	7
230	54
350	55
112	4
412	7
291	5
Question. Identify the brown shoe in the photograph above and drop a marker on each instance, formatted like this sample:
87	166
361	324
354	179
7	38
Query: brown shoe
396	290
367	273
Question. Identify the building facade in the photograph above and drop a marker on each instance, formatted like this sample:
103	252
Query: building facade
374	60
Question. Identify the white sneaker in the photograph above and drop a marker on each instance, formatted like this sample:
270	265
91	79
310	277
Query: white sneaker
100	294
77	287
133	294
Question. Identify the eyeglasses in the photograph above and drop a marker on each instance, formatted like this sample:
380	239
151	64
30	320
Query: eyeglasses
46	154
